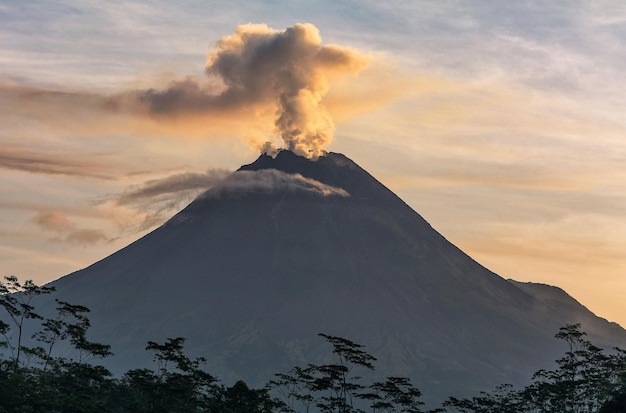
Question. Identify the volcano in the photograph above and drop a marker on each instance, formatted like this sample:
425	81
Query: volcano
288	247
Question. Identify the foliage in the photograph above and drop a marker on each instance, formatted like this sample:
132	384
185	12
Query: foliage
503	400
16	299
617	402
335	388
586	380
177	384
35	379
329	387
240	398
396	394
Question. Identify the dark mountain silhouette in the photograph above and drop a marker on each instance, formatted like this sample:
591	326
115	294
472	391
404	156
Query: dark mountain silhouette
288	247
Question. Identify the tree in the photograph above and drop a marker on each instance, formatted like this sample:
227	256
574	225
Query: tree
177	385
16	299
503	400
335	388
295	389
62	384
329	387
336	379
586	380
240	398
617	402
71	322
396	394
583	381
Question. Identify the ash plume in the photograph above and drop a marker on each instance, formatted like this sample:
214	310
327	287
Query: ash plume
286	72
259	83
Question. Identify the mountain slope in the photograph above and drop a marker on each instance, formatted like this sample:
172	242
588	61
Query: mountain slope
288	247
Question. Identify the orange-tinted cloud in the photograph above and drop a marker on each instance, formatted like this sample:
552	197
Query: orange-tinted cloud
152	202
55	162
282	72
258	81
57	222
271	180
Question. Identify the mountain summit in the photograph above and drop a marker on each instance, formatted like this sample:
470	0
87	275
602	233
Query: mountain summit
288	247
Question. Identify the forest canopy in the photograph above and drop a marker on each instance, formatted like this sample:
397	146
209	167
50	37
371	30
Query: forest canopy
34	378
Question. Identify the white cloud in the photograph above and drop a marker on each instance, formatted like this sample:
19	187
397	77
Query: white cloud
271	181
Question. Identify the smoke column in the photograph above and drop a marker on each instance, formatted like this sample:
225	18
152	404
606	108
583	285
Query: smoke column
266	78
289	69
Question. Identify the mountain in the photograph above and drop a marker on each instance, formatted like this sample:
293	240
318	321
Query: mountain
289	247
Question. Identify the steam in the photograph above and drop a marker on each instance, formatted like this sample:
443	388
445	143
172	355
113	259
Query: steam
172	189
290	68
259	83
284	72
157	199
271	181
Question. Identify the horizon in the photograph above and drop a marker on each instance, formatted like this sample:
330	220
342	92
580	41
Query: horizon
497	125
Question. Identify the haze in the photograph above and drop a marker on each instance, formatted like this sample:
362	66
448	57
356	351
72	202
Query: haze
502	126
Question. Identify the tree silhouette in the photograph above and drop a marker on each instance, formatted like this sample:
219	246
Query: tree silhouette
586	380
16	299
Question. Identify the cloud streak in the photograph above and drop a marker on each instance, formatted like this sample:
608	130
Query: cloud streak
157	199
172	186
491	115
271	181
285	72
68	232
54	162
274	79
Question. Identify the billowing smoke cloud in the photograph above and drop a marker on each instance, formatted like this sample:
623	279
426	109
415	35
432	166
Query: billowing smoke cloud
269	181
287	72
259	83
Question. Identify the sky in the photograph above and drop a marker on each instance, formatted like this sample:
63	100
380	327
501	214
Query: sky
501	123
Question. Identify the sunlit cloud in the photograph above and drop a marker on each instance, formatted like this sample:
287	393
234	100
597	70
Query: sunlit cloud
56	162
496	123
66	231
271	181
171	186
152	202
273	79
